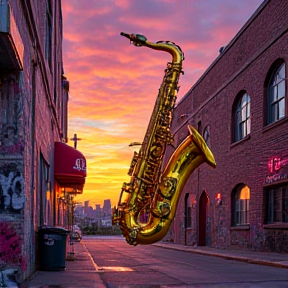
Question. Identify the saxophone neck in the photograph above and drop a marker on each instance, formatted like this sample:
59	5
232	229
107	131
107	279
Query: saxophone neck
170	47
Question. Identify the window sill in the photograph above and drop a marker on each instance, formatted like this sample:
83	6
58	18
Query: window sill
276	226
241	227
246	138
274	124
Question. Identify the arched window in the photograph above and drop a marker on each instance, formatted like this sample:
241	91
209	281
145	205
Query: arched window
242	120
206	135
240	205
276	94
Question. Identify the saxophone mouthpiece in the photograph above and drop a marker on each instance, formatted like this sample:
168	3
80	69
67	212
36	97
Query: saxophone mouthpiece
125	35
136	39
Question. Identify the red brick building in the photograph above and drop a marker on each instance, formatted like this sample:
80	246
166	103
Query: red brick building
240	106
37	169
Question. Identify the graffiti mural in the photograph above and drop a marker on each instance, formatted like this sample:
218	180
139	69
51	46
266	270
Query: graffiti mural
11	109
12	196
16	148
10	248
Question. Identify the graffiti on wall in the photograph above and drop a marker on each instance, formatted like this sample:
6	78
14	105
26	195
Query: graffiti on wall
16	148
11	109
12	195
10	248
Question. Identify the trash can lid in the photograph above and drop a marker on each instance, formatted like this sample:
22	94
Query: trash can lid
54	229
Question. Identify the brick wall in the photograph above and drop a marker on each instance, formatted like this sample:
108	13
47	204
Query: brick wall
242	66
29	127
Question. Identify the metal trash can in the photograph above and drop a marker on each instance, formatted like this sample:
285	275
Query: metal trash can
52	248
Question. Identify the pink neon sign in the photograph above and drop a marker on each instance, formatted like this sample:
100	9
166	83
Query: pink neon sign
276	163
277	170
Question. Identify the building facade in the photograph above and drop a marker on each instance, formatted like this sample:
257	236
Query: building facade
36	188
240	107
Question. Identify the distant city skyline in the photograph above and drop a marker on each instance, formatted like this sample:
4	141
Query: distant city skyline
102	205
100	216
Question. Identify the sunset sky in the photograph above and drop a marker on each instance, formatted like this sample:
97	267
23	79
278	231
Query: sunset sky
114	85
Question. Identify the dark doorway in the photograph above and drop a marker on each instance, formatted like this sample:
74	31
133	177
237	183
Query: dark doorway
203	201
188	215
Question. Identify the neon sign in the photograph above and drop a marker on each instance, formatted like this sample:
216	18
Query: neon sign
276	163
277	170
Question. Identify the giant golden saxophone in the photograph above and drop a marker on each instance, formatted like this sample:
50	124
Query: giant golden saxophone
148	204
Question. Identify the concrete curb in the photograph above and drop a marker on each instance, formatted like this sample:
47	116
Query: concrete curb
228	255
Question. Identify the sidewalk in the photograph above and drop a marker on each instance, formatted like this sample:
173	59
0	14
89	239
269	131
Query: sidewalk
83	272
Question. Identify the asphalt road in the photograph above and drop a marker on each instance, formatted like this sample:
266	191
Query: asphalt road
124	266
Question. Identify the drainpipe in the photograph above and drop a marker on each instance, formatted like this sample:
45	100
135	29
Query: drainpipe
33	136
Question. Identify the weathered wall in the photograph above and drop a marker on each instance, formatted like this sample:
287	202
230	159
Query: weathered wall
29	126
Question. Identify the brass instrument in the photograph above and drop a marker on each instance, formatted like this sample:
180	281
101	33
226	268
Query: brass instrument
147	204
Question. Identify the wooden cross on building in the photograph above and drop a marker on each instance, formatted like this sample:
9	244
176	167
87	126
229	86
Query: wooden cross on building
75	139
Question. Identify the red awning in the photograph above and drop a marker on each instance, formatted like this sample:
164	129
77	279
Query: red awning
69	167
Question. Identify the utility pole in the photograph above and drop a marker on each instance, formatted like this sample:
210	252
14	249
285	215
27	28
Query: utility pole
75	139
71	254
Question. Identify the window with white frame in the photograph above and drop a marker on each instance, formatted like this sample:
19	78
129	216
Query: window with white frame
242	119
276	94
